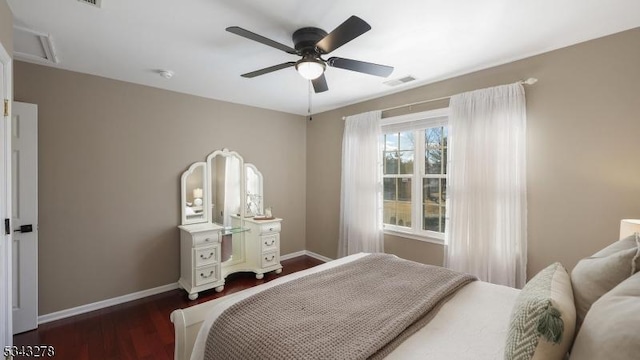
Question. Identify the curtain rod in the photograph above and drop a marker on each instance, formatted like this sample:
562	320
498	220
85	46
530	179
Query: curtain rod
529	81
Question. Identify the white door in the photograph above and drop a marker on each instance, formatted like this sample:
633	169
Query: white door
24	171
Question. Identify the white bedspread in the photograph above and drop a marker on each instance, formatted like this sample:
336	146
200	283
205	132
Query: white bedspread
471	325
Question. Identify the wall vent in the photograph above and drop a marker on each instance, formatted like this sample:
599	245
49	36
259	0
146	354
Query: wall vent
399	81
96	3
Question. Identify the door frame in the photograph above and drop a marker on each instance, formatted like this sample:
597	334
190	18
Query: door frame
6	309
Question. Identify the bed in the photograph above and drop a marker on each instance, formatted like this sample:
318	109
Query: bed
599	301
476	314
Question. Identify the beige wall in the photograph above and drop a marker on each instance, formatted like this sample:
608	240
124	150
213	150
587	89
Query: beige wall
6	27
583	145
110	159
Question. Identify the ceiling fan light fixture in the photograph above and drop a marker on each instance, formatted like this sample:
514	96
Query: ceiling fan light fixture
310	68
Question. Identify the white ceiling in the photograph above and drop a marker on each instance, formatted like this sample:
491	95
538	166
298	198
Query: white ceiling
131	40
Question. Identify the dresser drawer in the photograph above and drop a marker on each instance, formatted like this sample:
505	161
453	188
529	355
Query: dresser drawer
206	275
205	238
273	227
269	242
269	259
205	255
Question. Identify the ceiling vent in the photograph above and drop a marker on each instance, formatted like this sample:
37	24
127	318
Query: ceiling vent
400	81
96	3
31	45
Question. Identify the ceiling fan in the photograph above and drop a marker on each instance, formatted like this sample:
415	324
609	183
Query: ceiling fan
311	44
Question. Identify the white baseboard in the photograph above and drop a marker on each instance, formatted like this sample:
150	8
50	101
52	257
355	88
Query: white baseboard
42	319
293	255
104	303
307	253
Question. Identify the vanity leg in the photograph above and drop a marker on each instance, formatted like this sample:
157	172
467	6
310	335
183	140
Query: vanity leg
219	288
259	276
279	271
193	296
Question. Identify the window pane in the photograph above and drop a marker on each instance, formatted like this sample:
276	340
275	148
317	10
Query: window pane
391	142
443	191
390	162
406	141
431	218
433	202
433	161
431	191
397	210
404	190
389	212
445	135
433	137
390	189
406	162
444	161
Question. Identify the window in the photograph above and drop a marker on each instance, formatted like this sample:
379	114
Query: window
414	154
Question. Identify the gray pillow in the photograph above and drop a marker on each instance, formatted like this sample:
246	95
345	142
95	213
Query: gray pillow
611	329
596	275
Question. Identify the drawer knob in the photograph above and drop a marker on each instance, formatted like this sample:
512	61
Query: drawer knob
206	258
202	275
271	229
207	240
271	243
267	259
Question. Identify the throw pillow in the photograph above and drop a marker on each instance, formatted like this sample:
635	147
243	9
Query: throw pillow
543	317
596	275
611	329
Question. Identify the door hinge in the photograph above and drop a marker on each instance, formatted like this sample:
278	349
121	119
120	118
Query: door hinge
7	226
6	107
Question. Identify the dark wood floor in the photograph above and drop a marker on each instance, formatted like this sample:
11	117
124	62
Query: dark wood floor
138	329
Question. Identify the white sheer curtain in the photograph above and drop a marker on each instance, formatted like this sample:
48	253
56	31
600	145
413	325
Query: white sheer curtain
361	191
487	204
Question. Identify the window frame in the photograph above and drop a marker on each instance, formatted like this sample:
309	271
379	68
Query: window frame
416	122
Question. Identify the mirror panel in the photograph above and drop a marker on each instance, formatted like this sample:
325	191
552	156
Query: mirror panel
255	197
193	187
226	201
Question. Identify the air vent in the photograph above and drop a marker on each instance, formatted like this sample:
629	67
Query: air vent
96	3
400	81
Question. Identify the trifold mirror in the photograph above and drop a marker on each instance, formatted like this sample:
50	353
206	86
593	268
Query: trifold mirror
217	182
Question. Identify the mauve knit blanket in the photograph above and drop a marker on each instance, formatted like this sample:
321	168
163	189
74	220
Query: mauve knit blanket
359	310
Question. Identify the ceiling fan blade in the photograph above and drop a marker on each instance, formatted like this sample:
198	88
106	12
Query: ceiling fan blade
347	31
269	69
360	66
320	84
261	39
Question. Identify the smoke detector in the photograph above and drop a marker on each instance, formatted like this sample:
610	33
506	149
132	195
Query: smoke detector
167	74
